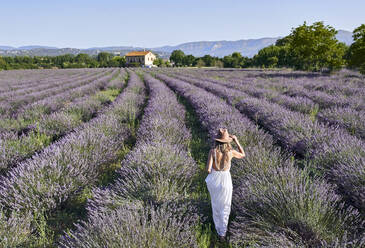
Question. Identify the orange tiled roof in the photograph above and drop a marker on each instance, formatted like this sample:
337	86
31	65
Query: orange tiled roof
137	53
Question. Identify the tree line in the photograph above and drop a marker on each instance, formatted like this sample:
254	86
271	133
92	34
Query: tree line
308	47
81	60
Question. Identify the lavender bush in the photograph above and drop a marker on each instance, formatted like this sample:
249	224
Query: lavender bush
25	116
134	226
40	184
152	202
35	80
353	121
14	229
269	83
155	174
159	168
324	147
341	217
53	95
309	217
50	127
341	114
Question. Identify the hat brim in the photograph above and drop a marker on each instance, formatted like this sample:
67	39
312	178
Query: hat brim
224	140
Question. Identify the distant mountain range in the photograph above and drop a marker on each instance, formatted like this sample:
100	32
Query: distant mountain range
245	47
221	48
26	47
54	51
248	48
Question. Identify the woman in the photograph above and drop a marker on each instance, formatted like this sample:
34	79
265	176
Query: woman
219	180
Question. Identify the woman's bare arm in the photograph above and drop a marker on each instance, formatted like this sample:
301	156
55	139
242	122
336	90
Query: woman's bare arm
209	162
238	154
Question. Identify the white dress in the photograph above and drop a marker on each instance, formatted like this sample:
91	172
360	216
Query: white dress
220	187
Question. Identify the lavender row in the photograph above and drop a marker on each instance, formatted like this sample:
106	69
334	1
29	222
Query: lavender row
28	115
272	198
42	85
26	120
282	84
11	108
344	83
325	100
14	148
134	225
153	177
39	185
334	152
18	79
47	86
164	136
54	102
345	117
294	88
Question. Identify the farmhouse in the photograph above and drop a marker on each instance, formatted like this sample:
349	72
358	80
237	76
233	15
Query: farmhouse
144	58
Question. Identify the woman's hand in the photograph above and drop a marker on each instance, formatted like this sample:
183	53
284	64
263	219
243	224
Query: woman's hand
234	137
209	171
240	154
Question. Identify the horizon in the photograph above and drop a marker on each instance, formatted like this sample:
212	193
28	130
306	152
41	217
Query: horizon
51	47
86	24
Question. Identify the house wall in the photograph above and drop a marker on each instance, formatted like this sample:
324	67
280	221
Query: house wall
133	59
144	60
149	58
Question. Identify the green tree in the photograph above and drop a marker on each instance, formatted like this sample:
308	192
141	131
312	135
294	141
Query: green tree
3	65
218	63
267	57
63	61
189	60
158	62
117	61
235	60
357	49
200	63
23	60
208	60
82	58
104	58
177	56
283	41
315	47
238	60
228	61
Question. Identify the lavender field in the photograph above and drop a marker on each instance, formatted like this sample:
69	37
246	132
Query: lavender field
115	157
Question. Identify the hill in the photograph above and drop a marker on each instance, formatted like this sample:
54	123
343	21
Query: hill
248	48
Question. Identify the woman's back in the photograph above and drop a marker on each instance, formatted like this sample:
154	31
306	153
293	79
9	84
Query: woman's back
221	160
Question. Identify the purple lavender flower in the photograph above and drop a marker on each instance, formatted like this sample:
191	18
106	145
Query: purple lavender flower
49	178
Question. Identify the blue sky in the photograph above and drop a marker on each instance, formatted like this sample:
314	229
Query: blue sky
83	24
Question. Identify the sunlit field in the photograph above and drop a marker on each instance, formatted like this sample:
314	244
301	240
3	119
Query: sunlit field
115	157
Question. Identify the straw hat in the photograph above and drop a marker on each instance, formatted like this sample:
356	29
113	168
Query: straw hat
223	136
